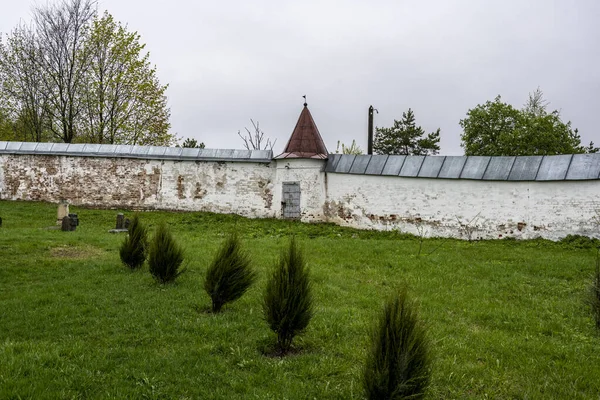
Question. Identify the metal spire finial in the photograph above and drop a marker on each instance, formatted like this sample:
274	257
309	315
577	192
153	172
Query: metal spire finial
305	104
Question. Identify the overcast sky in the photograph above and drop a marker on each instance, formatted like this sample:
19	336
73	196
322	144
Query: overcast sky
229	61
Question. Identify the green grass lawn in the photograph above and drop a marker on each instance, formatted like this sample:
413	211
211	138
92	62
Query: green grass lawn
506	319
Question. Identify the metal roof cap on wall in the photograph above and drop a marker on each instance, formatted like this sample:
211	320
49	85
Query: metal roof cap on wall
134	151
431	167
488	168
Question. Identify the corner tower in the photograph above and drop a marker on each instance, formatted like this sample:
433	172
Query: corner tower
300	175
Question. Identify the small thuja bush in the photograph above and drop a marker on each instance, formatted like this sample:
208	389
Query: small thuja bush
288	301
229	276
595	295
398	359
164	255
134	248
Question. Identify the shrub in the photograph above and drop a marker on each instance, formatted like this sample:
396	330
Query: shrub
229	275
398	359
288	301
134	248
580	242
164	256
595	295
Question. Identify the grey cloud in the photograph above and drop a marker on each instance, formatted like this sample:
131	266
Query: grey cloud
227	62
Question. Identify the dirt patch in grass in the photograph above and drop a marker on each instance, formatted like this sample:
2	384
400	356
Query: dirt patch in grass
75	252
268	348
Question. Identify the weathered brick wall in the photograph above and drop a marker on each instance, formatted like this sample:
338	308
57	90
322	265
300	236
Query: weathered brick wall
465	208
226	187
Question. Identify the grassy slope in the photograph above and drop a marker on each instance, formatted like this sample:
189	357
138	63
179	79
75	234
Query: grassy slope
507	318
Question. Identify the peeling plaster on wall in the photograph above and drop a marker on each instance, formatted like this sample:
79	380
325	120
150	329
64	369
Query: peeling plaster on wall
267	193
181	187
221	187
245	188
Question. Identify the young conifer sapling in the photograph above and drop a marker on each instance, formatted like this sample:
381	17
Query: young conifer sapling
164	255
288	299
229	275
133	250
398	358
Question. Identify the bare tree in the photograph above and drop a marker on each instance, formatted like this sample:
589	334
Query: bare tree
21	83
256	140
61	32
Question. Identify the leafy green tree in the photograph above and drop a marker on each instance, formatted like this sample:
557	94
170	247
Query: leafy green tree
405	137
124	102
6	127
22	98
498	129
75	77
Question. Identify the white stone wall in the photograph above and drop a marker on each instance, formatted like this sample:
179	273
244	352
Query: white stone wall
309	173
430	207
465	208
222	187
225	187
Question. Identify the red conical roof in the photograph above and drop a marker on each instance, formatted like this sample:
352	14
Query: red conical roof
305	142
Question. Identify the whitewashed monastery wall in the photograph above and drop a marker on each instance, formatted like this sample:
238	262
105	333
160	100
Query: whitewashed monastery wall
432	207
467	209
243	188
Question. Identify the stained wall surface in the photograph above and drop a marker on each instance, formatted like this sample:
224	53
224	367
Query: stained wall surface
467	209
244	188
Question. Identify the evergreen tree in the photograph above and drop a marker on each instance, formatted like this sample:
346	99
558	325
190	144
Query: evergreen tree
406	138
164	256
133	251
192	143
229	275
288	301
398	359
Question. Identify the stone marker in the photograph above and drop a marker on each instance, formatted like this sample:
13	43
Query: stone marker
122	224
120	219
74	219
65	224
63	211
69	223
